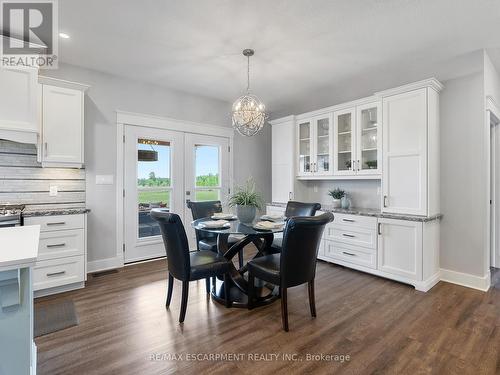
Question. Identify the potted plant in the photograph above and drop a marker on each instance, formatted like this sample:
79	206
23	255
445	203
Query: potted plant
247	201
337	195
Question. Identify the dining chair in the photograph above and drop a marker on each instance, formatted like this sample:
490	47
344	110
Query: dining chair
184	265
296	265
294	208
206	240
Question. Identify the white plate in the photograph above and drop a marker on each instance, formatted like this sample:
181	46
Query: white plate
217	224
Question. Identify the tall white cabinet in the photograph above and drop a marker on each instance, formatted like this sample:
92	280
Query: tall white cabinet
410	177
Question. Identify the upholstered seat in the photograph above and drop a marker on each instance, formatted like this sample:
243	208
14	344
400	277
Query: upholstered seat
266	268
205	263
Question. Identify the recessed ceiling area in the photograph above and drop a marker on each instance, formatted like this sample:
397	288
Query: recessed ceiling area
306	52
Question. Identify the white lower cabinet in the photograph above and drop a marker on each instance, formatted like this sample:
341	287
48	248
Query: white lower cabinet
402	250
62	255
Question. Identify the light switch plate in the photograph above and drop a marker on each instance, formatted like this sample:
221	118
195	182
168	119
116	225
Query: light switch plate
104	179
53	190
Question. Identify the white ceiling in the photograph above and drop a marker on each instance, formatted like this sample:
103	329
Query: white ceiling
308	52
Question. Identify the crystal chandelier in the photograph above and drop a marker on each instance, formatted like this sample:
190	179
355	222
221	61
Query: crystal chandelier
248	115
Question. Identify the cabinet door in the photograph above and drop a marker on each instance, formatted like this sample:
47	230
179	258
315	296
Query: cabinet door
283	173
369	139
304	147
400	248
404	174
62	114
323	143
18	104
344	142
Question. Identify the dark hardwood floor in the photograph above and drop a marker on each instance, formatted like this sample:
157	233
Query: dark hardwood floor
383	326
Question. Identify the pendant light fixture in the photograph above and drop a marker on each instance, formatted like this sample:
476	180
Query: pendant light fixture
248	115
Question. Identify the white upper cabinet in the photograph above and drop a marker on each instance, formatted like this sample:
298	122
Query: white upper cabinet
314	146
62	124
344	142
410	181
358	141
283	172
18	104
369	139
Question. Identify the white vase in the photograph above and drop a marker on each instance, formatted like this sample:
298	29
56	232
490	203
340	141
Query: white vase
336	203
245	214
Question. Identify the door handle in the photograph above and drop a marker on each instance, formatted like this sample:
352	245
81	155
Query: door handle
45	147
379	229
385	200
56	245
358	165
290	195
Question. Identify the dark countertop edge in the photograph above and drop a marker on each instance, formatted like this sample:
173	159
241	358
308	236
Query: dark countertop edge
56	211
371	212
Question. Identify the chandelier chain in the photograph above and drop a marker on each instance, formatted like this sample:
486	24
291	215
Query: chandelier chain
248	74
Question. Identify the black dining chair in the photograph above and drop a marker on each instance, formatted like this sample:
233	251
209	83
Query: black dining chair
295	265
294	208
184	265
206	240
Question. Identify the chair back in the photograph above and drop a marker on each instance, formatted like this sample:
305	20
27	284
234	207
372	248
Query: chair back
175	241
199	210
299	251
301	209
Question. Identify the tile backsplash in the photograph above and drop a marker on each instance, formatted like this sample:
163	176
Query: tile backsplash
363	193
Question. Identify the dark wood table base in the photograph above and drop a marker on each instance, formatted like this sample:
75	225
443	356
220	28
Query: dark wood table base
238	284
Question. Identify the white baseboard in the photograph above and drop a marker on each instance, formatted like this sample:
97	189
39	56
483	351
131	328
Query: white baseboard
471	281
104	264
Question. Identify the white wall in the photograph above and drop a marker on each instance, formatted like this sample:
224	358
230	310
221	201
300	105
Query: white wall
463	175
109	93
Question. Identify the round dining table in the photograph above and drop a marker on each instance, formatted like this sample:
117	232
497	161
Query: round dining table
238	284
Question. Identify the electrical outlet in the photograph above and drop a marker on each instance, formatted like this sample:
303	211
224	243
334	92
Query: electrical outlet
53	190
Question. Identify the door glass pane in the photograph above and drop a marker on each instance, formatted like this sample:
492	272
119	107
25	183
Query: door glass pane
323	142
207	166
369	128
153	182
344	137
304	147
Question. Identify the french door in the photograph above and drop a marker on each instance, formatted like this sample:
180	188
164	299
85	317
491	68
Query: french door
165	169
206	173
153	177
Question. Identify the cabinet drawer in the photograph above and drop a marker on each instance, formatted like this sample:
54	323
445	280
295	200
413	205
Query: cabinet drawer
60	244
352	235
57	272
57	222
351	254
355	221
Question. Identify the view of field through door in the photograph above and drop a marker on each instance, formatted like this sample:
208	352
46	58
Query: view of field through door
165	169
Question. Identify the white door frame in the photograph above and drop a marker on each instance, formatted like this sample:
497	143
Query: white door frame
492	122
138	119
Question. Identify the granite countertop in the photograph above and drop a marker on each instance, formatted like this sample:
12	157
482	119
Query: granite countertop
31	212
369	212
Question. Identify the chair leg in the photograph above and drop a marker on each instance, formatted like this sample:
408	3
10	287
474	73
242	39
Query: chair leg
170	288
207	284
184	300
226	290
214	283
284	309
250	291
312	303
240	258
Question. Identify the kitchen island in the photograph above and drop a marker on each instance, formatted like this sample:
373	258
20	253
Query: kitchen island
18	254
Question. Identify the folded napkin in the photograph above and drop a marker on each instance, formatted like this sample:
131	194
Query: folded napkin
268	225
214	223
272	217
222	215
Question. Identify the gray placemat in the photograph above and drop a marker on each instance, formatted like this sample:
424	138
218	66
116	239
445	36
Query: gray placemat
54	316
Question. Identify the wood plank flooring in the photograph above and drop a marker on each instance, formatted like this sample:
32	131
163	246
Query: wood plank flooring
383	326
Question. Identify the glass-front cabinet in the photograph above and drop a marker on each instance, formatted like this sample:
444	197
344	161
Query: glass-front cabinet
369	139
315	146
344	128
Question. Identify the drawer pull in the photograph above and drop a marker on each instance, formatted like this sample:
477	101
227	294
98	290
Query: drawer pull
57	223
350	254
56	245
348	235
349	220
56	273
